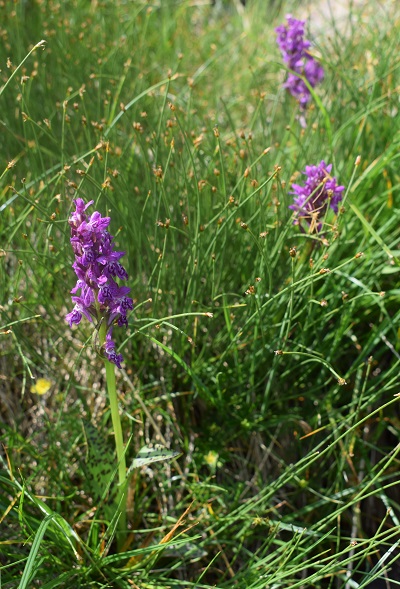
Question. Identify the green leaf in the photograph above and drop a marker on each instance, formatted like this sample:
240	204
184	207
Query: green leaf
149	454
99	467
390	270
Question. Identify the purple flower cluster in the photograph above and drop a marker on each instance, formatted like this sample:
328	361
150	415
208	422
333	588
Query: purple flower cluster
96	266
294	49
319	192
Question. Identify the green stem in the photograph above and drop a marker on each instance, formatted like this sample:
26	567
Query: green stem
119	442
40	44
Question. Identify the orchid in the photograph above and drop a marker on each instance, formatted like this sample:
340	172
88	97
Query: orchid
295	52
97	265
320	192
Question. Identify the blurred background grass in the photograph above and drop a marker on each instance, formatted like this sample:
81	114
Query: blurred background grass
172	117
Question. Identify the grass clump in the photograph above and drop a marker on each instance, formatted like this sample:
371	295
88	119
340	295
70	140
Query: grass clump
266	356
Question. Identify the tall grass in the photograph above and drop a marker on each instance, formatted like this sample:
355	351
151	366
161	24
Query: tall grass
268	357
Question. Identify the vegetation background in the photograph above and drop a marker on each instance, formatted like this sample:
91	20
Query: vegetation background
268	357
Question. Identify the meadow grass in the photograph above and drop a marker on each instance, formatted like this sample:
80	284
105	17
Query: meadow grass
266	356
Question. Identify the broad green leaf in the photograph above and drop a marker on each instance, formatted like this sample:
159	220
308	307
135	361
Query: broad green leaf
149	454
99	467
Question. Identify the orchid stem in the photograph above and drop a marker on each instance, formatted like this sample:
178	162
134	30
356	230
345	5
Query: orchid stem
119	444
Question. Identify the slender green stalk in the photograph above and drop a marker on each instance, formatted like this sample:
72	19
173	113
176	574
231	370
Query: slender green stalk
119	442
17	69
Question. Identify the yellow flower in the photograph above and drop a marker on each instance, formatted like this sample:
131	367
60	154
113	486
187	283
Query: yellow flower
41	386
211	458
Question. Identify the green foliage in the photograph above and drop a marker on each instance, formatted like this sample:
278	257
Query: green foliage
267	356
98	469
149	455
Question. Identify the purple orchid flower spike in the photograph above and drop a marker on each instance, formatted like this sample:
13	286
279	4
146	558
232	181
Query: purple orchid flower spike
320	192
295	52
96	265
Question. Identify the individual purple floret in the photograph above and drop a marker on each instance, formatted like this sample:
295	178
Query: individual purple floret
96	266
294	49
319	192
